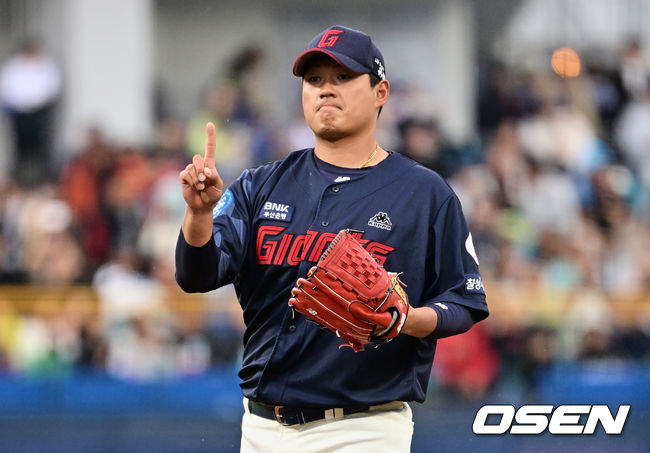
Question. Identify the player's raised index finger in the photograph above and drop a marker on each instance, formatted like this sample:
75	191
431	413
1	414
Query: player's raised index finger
210	144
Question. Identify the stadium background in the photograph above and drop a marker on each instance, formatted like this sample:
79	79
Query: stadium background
101	352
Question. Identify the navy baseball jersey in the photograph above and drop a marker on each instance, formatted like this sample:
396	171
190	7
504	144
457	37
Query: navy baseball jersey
272	225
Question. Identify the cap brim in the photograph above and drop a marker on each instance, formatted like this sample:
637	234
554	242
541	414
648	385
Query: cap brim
343	60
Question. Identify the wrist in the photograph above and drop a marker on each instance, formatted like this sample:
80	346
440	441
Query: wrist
197	226
199	213
420	322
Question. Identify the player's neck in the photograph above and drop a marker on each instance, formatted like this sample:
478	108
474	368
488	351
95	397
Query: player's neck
350	152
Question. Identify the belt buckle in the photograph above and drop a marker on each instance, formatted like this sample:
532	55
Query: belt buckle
278	416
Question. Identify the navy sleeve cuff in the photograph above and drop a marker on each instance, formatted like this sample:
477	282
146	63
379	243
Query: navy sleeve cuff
453	319
196	267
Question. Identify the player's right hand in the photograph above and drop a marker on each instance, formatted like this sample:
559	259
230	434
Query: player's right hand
201	184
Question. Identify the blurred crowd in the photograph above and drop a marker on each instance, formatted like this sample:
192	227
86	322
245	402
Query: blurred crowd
556	193
555	186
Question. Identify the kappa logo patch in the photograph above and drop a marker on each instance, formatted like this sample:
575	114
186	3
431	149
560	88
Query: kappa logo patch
277	211
381	220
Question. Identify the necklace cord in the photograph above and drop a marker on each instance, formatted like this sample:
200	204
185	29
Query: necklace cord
372	155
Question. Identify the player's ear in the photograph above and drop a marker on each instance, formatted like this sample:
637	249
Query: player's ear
382	91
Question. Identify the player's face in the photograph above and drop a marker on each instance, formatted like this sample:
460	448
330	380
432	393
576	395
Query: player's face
338	103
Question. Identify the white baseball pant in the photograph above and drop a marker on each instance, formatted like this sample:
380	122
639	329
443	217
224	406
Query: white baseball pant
386	428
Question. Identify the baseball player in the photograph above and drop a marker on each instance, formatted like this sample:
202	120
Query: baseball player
268	232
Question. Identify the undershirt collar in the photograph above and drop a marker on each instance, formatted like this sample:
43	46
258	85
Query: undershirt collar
338	174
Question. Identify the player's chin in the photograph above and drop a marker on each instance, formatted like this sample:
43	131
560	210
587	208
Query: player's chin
331	134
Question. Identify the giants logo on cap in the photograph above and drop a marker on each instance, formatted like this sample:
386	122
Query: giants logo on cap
329	38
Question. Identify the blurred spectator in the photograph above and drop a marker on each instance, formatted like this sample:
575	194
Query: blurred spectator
548	199
160	226
587	250
82	186
633	75
512	265
506	161
606	97
30	85
164	206
247	70
556	261
467	365
596	345
45	342
504	95
135	326
92	349
126	190
141	349
562	136
614	192
421	141
538	355
38	238
633	136
194	351
633	340
170	144
623	257
233	152
298	135
9	274
53	256
589	312
12	203
493	93
225	341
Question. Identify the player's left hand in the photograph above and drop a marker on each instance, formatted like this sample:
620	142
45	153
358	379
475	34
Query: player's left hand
390	318
351	295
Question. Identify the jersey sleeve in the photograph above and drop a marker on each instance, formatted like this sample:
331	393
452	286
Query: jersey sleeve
453	265
217	263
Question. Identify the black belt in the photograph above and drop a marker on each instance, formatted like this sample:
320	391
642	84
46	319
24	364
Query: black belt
294	416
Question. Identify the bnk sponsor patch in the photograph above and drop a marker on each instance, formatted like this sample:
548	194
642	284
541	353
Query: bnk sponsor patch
276	211
474	284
